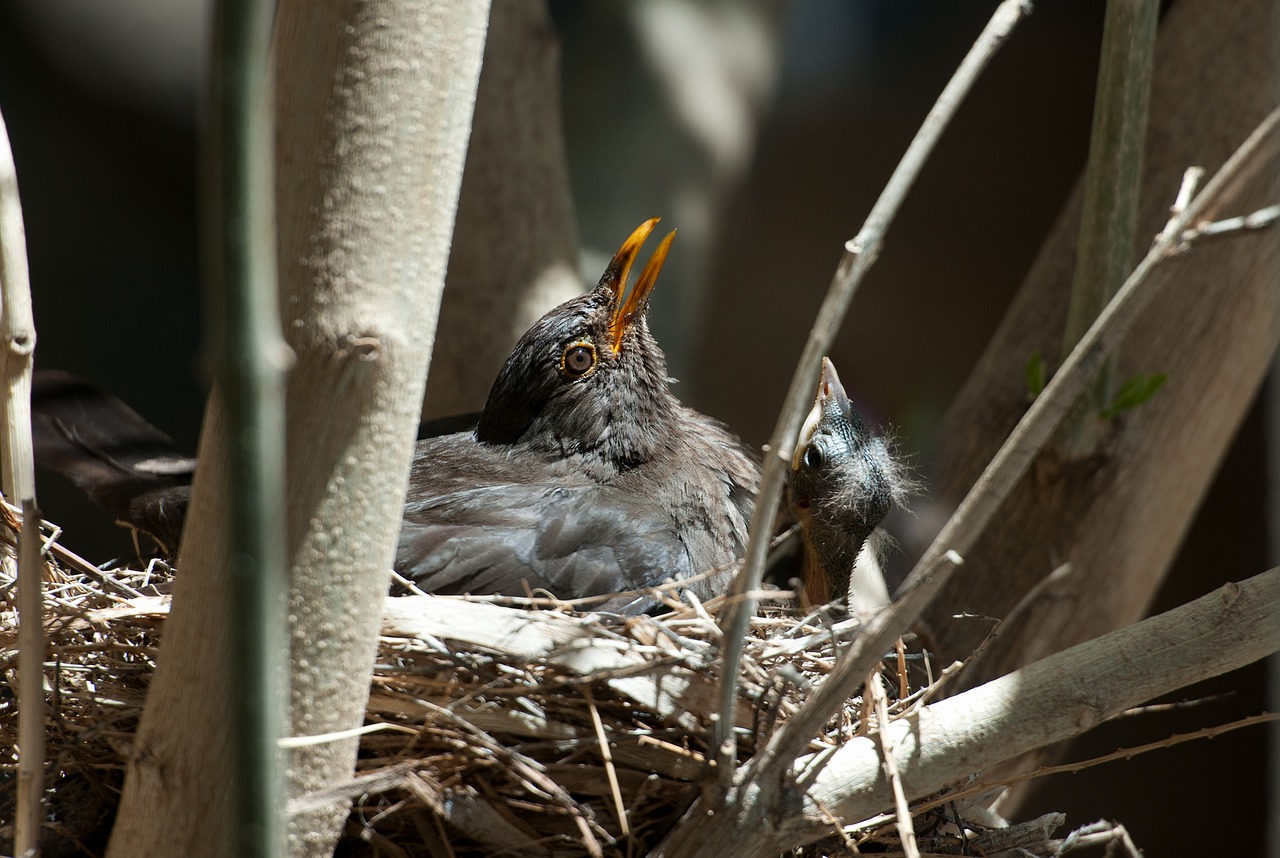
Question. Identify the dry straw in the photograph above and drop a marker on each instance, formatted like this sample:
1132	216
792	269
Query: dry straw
491	727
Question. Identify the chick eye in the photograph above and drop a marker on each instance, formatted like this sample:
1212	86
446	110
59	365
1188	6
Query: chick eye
578	359
813	458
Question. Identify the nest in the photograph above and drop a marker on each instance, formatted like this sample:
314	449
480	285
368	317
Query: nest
490	730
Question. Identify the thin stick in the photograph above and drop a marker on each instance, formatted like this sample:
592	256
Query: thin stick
607	756
860	254
1119	754
287	742
975	512
922	697
31	712
1190	181
532	774
1261	219
382	780
1102	833
17	477
904	687
906	832
1029	598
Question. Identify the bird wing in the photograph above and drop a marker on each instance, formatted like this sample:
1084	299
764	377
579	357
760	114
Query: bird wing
572	541
122	462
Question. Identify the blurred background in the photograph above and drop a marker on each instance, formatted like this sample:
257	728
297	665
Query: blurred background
764	132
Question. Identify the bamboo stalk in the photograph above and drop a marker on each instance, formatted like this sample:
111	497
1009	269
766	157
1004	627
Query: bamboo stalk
250	363
1112	182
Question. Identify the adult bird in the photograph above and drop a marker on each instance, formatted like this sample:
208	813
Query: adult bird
842	484
584	475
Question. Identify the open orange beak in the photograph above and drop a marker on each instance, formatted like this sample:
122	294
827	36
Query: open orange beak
615	277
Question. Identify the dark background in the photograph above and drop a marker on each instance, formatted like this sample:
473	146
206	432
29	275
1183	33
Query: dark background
106	151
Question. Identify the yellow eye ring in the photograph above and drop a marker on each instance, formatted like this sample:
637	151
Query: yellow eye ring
578	360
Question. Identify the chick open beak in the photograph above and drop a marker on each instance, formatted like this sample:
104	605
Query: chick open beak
830	393
615	278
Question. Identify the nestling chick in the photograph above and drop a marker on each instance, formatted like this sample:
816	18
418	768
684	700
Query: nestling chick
843	482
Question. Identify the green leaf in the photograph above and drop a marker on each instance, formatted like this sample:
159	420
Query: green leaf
1035	374
1134	392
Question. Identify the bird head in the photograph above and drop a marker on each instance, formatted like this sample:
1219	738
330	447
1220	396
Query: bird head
588	377
843	482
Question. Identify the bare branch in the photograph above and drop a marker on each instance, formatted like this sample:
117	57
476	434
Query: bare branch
1191	178
17	473
1120	516
31	715
1053	699
18	328
1120	754
1008	466
860	254
1101	833
1261	219
906	832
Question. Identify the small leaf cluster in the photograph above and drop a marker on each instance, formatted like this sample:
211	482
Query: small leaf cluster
1135	391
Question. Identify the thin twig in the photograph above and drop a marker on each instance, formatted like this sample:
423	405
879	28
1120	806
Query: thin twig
534	776
1119	754
904	687
860	254
1190	181
1261	219
1101	833
906	832
834	821
31	714
1029	598
371	783
72	560
286	742
1176	706
867	648
605	754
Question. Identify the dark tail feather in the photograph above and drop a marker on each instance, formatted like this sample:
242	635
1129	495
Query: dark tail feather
123	463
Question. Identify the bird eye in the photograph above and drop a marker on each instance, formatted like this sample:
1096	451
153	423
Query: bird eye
578	359
813	458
